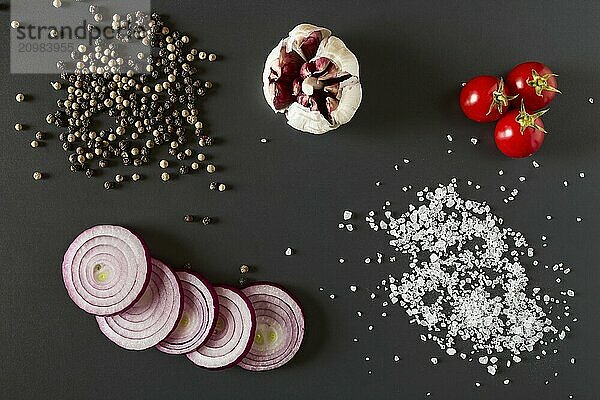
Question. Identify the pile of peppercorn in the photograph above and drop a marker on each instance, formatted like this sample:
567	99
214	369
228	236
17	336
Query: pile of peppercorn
153	106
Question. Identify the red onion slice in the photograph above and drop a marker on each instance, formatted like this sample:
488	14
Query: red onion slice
232	336
106	269
279	327
199	316
153	317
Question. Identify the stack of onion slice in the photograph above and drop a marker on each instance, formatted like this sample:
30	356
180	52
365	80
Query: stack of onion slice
139	303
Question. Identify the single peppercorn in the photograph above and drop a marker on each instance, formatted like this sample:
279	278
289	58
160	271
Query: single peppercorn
213	186
184	169
243	282
244	269
188	218
206	220
109	185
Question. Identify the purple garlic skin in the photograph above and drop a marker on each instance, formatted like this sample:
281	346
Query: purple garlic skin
313	79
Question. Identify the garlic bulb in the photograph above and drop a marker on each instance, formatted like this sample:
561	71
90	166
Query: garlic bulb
313	78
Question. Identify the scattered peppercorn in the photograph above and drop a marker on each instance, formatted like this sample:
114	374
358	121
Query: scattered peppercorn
109	185
119	178
210	168
165	176
135	177
243	281
39	135
222	187
188	218
244	269
34	143
213	186
18	127
20	97
206	220
37	175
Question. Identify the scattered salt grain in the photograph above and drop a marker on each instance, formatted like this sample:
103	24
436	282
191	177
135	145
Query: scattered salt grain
406	161
367	260
288	251
353	288
578	219
450	351
582	174
332	296
434	360
347	215
371	327
591	100
474	140
506	381
341	261
396	358
263	140
535	164
573	360
566	183
501	172
522	179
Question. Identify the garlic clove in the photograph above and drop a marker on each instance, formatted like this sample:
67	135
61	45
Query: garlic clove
272	59
303	119
305	38
351	97
335	50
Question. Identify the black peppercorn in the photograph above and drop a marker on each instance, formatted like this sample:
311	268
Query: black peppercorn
206	220
188	218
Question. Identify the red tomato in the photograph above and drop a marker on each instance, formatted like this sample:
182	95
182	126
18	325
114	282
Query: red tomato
534	83
483	99
520	134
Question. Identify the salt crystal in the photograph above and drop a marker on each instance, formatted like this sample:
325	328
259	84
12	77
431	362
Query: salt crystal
535	164
500	172
451	351
578	219
522	179
359	313
353	288
506	381
367	260
341	261
371	327
434	360
483	360
474	140
406	161
288	251
263	140
449	137
347	215
332	296
396	358
492	369
582	175
573	360
566	183
591	100
349	227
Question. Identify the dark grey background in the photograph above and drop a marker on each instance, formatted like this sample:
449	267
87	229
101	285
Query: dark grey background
291	192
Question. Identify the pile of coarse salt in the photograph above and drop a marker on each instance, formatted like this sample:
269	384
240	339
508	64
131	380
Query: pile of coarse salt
467	282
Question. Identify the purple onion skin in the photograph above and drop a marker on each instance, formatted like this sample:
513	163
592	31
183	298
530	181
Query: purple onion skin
252	330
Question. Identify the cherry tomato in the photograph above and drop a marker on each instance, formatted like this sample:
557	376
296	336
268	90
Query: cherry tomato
520	134
483	99
534	83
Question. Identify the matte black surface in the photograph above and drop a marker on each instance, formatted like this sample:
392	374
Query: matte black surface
292	191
